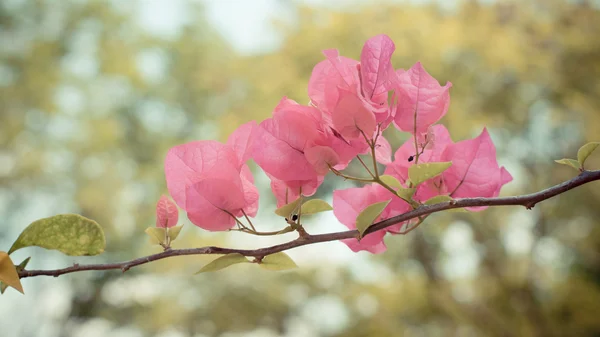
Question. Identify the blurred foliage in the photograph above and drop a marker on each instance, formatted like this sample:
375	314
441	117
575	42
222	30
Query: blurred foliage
90	102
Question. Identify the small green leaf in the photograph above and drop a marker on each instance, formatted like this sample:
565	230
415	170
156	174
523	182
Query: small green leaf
223	262
438	199
368	215
585	151
3	287
23	264
422	172
278	261
406	193
71	234
157	235
286	210
570	162
315	206
173	232
391	181
8	273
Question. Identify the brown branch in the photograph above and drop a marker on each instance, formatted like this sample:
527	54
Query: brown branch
527	200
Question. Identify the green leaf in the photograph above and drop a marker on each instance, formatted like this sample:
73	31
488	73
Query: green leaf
585	151
286	210
173	232
157	235
8	273
368	215
437	199
278	261
223	262
406	193
315	206
391	181
570	162
422	172
71	234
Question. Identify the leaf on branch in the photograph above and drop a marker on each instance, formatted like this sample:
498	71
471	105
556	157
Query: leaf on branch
8	273
19	268
223	262
315	206
422	172
286	210
366	218
157	235
406	193
278	261
570	162
71	234
173	232
391	181
585	152
438	199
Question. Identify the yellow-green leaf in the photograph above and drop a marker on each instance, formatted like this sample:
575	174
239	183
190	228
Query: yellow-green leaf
8	273
286	210
585	151
437	199
19	268
71	234
173	232
278	261
391	181
570	162
406	193
369	214
223	262
157	235
315	206
422	172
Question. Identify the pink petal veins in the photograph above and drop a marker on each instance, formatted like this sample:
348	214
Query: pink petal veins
167	213
421	100
241	141
351	117
474	171
383	151
377	73
188	163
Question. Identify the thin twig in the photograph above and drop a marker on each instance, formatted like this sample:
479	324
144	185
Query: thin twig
527	200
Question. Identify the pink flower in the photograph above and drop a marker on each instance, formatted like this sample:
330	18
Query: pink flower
432	146
167	214
353	98
421	100
347	205
474	171
289	148
211	181
288	191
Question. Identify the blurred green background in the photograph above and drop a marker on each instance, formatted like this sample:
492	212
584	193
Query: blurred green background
93	94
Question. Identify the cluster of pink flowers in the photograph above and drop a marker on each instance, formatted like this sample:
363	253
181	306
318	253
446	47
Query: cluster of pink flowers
351	104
